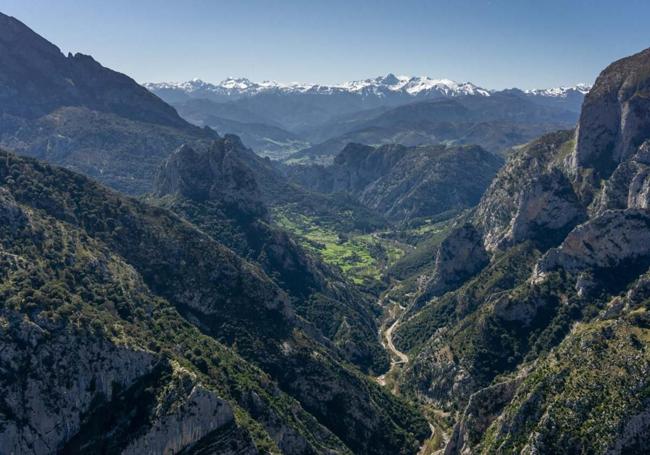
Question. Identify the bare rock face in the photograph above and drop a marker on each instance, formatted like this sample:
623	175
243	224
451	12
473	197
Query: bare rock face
615	119
544	190
187	413
460	256
482	409
216	174
629	184
359	165
613	240
59	388
40	414
530	199
547	210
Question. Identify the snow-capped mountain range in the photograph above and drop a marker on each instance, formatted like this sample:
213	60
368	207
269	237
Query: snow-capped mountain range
381	86
277	119
560	92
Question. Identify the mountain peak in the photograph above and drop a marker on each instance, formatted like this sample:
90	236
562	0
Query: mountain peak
37	78
214	172
614	120
390	79
381	86
562	91
237	82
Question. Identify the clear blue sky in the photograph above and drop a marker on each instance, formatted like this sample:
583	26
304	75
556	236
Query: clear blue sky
493	43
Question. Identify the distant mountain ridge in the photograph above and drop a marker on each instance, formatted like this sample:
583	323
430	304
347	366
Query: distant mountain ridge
282	120
560	92
295	120
381	86
496	123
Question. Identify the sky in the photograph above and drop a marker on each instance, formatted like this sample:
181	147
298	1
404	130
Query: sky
493	43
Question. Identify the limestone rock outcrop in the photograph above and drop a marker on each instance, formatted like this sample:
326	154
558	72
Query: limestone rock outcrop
530	199
613	240
459	257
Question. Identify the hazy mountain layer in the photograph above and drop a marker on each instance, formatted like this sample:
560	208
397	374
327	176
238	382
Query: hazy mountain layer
496	123
329	117
405	182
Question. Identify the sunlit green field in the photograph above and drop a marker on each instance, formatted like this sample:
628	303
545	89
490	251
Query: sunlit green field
361	257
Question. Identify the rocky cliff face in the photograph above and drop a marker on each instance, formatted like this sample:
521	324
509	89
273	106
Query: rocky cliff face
551	362
615	117
361	165
35	406
451	268
41	416
628	185
531	198
613	241
187	414
218	174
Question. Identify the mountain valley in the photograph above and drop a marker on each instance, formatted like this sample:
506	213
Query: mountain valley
396	265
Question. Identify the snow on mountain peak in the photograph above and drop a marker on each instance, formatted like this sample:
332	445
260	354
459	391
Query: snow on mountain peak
560	92
381	86
389	84
411	85
240	83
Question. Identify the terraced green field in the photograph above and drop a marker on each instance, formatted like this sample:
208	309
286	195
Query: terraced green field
362	257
